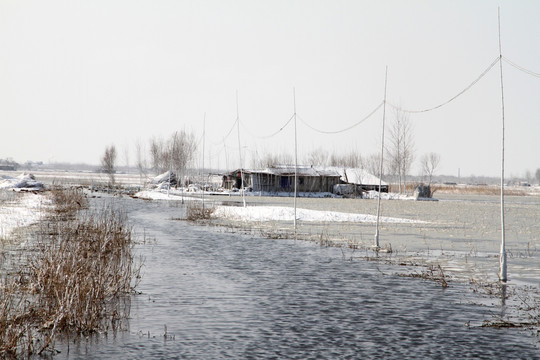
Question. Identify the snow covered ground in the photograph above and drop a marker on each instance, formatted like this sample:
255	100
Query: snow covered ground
272	213
19	210
20	203
22	182
281	213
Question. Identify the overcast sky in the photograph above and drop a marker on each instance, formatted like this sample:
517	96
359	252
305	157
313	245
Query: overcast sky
76	76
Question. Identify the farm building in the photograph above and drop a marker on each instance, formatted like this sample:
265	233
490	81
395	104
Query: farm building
280	178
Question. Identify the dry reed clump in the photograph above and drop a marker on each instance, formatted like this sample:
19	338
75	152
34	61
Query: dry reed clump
68	200
78	283
197	211
432	272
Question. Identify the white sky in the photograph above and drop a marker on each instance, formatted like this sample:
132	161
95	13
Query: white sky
76	76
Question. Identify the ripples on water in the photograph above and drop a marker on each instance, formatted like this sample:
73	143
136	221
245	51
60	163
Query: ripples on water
232	296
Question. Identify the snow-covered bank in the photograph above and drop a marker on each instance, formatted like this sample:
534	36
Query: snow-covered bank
21	210
21	182
273	213
281	213
173	195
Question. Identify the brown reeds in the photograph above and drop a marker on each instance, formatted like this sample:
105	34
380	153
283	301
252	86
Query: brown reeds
196	211
478	190
77	283
68	200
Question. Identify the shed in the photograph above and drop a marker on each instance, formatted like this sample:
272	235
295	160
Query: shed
280	178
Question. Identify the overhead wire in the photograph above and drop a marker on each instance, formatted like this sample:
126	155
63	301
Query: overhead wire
271	135
474	82
452	98
226	136
342	130
526	71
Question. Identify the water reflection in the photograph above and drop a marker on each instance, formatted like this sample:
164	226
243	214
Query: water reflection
231	296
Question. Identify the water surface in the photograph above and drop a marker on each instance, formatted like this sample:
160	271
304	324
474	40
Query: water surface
225	295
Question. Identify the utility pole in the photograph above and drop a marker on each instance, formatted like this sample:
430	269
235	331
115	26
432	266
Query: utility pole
376	245
295	160
203	140
502	255
240	152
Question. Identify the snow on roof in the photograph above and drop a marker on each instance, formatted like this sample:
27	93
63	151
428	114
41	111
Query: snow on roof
360	176
349	175
357	176
288	170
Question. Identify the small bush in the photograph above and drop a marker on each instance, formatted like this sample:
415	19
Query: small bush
196	211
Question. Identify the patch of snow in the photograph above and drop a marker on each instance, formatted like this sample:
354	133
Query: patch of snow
281	213
387	196
173	194
26	210
21	182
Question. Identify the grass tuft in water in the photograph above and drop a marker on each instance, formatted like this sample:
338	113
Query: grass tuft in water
77	283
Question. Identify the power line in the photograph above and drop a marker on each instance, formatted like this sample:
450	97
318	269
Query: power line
526	71
271	135
454	97
226	136
343	130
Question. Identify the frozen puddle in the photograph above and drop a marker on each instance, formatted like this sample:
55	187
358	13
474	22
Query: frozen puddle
282	213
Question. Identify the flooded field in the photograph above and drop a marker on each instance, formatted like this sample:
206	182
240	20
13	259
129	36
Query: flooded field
460	232
215	294
237	289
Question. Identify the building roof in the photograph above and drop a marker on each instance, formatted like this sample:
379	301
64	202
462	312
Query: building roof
348	175
289	170
360	176
357	176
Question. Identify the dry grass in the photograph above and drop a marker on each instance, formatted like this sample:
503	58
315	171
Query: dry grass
68	200
478	190
77	282
196	211
481	189
432	272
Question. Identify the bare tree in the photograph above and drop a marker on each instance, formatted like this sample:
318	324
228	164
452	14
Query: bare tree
401	147
158	154
373	163
175	154
108	163
351	159
268	160
430	162
142	163
181	150
528	176
317	157
126	157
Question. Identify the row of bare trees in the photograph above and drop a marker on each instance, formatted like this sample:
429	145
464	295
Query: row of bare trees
177	152
174	154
